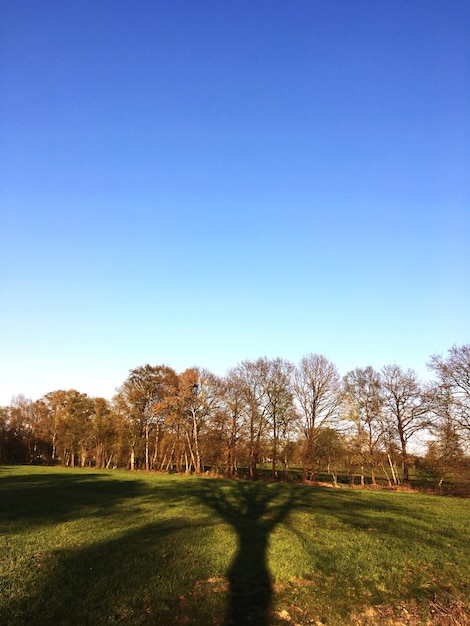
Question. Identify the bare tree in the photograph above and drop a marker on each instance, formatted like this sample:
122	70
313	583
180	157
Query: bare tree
454	374
233	409
445	451
279	402
364	403
330	452
249	379
317	391
406	405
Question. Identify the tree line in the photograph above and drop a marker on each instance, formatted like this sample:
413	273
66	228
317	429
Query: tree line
263	411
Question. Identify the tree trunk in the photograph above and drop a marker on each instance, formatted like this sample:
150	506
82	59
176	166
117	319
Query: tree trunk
382	465
193	460
156	451
334	476
197	455
306	467
406	466
274	464
147	464
372	477
231	461
286	469
394	475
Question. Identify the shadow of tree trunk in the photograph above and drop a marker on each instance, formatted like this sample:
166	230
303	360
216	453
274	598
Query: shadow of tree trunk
253	511
250	587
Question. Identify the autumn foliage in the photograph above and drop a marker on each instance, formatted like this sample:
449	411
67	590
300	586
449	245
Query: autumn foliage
264	412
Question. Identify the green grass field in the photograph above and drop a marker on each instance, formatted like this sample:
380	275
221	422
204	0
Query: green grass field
113	547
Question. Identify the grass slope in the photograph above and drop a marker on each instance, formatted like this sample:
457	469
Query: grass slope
86	547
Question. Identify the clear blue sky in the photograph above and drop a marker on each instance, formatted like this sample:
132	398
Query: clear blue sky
198	183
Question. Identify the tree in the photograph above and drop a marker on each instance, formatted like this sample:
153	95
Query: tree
198	399
364	399
163	410
317	391
4	434
230	425
14	437
20	423
42	444
453	373
65	421
249	379
329	452
444	451
280	410
406	405
141	399
104	433
75	429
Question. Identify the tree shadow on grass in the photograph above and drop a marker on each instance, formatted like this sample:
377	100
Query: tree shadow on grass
154	571
154	566
142	577
51	498
253	511
143	571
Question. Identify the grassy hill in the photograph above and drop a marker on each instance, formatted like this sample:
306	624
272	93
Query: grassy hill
111	547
